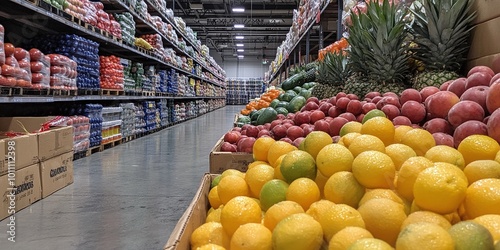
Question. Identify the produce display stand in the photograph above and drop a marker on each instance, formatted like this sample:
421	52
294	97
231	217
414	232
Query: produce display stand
220	161
294	54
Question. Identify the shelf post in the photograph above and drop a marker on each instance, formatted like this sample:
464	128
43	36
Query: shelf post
307	47
320	45
340	29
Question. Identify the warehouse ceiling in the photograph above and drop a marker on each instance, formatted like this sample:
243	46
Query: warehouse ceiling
266	24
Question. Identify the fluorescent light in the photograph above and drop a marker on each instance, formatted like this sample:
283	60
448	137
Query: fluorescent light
238	9
239	26
196	6
239	37
241	56
240	50
240	45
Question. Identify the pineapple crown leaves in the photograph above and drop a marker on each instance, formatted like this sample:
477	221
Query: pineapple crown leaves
441	30
377	39
334	69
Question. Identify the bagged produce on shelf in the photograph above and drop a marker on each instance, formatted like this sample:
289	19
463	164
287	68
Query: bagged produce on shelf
2	51
158	22
115	28
10	70
62	72
40	69
161	4
141	8
154	40
170	14
90	14
127	25
76	8
179	22
111	72
23	59
58	4
139	42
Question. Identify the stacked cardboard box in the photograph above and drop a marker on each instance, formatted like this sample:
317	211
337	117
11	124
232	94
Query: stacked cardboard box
485	35
40	163
220	161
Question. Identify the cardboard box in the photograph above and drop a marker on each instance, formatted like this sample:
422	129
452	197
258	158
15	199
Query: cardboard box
56	173
492	61
484	38
56	141
27	189
220	161
3	168
25	151
194	217
485	10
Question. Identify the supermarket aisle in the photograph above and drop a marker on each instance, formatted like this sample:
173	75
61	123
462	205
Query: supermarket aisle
127	197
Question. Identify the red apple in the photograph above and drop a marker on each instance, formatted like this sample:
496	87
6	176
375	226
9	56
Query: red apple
308	129
267	126
391	111
246	145
376	99
252	131
478	79
484	69
322	125
367	107
288	125
290	116
281	117
313	99
392	94
458	86
232	136
244	127
443	139
336	124
333	100
342	103
334	112
261	127
279	131
316	116
372	94
348	116
228	147
294	132
493	125
264	132
486	119
410	95
340	94
493	97
286	139
401	120
310	106
477	94
437	125
288	121
394	100
360	117
469	128
439	104
495	78
428	91
243	133
415	111
354	107
238	129
275	123
302	117
324	107
352	97
297	141
465	111
445	85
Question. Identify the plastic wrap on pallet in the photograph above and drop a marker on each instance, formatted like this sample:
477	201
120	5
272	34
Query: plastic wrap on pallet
112	76
40	69
63	72
94	113
127	25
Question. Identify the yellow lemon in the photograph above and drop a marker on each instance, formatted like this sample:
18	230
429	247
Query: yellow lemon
256	163
343	188
230	171
321	181
497	157
239	211
370	244
482	197
252	236
261	148
364	143
297	232
478	147
334	158
380	127
400	131
374	169
304	191
373	113
349	127
232	186
211	246
279	211
399	153
347	236
482	169
210	232
277	168
315	141
381	193
408	174
419	140
389	212
347	139
424	235
257	176
297	164
443	153
214	216
278	149
426	216
213	197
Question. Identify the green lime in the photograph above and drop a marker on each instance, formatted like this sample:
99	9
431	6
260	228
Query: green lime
373	113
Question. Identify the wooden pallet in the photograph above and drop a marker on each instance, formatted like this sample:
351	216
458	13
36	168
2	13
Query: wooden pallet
90	27
148	93
131	92
63	92
161	94
111	92
37	92
128	138
88	92
111	144
78	21
10	91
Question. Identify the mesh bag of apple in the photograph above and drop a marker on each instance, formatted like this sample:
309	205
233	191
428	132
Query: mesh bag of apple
40	69
62	72
12	74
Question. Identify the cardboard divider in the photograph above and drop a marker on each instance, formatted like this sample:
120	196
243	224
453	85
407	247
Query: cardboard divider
492	61
484	38
193	217
220	161
486	10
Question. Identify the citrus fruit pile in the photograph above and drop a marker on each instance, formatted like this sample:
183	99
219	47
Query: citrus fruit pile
378	187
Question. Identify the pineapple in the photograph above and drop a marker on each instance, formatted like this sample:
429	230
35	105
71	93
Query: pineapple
332	73
378	54
441	30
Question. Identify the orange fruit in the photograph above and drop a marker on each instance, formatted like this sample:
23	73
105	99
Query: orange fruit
347	236
213	198
304	191
492	223
370	244
272	192
364	143
482	197
482	169
399	153
349	127
478	147
210	232
239	211
400	131
252	236
257	176
471	235
443	153
261	148
408	174
297	231
279	211
232	186
426	216
347	139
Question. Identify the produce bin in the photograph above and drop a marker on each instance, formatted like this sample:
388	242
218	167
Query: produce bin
194	217
220	161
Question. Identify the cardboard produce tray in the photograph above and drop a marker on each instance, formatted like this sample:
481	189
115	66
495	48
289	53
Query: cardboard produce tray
194	217
220	161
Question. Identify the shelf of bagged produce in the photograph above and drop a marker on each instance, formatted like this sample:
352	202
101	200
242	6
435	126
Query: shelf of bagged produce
43	99
26	12
309	27
153	9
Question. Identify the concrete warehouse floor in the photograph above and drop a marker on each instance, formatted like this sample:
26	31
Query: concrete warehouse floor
127	197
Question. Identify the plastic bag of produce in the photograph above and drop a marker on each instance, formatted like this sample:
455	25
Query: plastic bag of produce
63	72
170	14
2	51
90	15
23	59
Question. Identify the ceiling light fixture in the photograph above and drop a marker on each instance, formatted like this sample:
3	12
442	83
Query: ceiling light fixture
239	26
238	9
240	45
240	50
196	6
241	56
239	37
